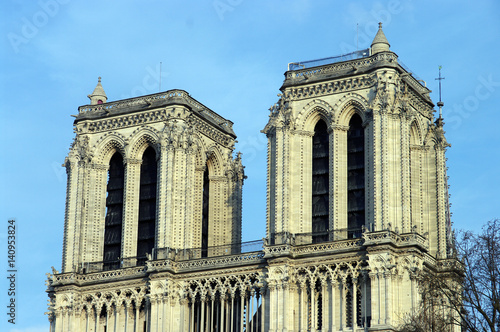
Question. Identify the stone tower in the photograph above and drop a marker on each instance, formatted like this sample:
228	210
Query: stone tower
357	206
362	160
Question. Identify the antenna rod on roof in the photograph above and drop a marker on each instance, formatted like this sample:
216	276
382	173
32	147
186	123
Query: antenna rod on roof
357	37
159	90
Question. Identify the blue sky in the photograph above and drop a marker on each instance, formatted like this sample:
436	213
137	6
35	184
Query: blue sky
230	55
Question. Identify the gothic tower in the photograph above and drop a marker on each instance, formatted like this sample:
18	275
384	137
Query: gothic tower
357	207
357	192
148	178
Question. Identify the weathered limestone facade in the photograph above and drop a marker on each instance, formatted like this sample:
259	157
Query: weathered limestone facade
357	206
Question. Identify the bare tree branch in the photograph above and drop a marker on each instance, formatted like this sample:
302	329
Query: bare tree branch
467	295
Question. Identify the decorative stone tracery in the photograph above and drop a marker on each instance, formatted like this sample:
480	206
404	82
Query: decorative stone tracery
201	278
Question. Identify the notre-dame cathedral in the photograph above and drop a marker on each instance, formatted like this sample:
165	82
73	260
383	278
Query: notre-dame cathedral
357	205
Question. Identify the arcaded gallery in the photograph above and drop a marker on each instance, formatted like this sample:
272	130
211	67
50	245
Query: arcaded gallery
357	205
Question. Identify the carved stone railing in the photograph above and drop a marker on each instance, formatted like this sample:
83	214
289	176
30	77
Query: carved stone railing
324	247
80	279
170	95
449	264
212	251
412	239
390	237
253	257
277	250
342	66
205	263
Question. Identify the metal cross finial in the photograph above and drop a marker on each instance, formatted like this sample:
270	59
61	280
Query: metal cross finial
380	25
440	103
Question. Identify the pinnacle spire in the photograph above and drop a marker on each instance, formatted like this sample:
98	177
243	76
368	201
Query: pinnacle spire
98	96
380	43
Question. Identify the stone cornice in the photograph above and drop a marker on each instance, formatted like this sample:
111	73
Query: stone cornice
99	125
171	97
330	88
419	105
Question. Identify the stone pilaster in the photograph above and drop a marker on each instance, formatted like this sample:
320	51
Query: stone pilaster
131	207
338	181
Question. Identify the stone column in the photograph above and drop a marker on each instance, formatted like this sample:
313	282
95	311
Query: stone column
116	325
302	306
354	303
59	320
388	297
242	310
212	310
334	286
248	312
136	317
314	314
87	320
405	174
273	307
442	220
95	317
153	313
189	197
184	314
343	304
126	309
375	298
73	220
107	324
264	311
365	299
250	319
290	299
222	311
203	306
165	183
131	208
325	317
379	176
76	319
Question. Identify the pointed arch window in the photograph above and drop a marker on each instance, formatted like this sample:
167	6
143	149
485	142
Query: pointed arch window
114	213
355	177
320	183
147	205
204	214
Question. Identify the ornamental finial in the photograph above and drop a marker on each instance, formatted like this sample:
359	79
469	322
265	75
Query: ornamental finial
98	96
380	43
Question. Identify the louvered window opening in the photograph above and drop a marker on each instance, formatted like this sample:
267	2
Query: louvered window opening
355	177
147	205
204	216
114	213
320	183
